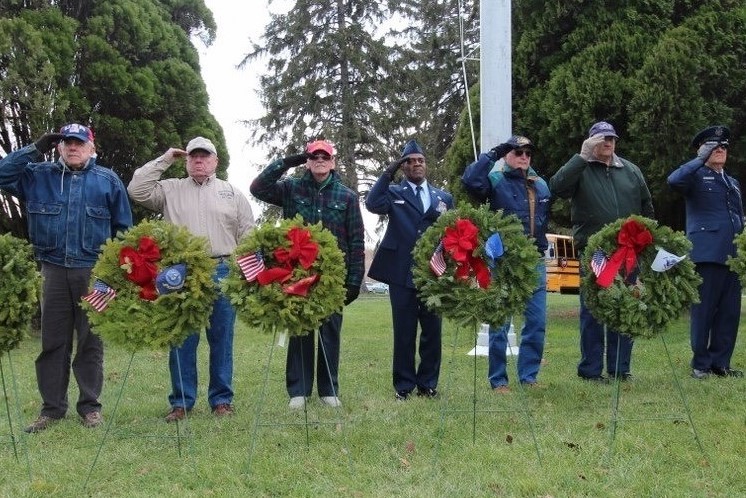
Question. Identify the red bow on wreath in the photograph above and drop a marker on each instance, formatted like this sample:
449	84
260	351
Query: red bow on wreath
139	266
632	239
460	241
302	250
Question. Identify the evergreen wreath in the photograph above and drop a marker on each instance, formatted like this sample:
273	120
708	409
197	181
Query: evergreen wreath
467	301
737	264
137	320
19	290
290	294
643	307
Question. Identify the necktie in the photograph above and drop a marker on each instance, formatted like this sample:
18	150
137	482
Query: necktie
419	198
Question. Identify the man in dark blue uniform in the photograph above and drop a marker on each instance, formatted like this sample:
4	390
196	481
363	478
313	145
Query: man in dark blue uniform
714	216
412	206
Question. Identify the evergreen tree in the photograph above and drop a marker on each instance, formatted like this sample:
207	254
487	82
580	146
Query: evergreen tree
658	70
335	70
127	68
325	79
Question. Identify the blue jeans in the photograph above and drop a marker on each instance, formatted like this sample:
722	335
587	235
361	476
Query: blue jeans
182	361
531	348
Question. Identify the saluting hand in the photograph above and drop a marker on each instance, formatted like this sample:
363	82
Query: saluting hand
590	143
174	153
46	142
394	166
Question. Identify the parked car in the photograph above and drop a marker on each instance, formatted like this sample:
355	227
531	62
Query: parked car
377	287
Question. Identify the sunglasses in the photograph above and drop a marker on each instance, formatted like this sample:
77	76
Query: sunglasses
723	145
520	152
319	157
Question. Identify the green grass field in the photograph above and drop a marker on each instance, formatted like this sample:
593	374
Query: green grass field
554	441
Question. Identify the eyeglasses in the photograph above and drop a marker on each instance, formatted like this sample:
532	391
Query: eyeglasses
715	144
520	152
416	160
319	157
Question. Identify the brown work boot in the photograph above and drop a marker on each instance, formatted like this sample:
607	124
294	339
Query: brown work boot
222	410
176	413
41	423
92	419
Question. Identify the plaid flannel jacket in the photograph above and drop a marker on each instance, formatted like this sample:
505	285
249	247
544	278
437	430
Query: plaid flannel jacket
334	204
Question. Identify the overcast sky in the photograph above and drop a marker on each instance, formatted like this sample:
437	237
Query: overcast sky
232	91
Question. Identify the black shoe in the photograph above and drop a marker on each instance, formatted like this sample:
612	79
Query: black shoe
402	395
727	372
428	392
595	378
624	377
700	374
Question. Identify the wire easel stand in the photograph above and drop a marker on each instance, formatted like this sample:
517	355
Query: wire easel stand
444	410
677	384
306	422
14	440
111	418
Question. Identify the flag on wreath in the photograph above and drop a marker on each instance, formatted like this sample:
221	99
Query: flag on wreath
437	262
251	265
598	262
100	296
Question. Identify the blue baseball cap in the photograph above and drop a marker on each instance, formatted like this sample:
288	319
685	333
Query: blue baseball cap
75	130
604	128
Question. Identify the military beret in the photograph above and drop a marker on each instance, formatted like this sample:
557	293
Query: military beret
718	133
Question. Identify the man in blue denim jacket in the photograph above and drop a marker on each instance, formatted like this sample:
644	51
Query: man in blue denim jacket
515	188
73	205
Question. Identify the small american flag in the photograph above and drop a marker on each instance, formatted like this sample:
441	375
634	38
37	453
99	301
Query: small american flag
100	295
437	263
251	265
598	262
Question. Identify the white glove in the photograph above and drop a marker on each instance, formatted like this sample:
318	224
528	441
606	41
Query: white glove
706	149
590	143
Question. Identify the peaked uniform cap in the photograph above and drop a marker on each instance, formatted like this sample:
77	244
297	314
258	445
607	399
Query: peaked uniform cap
717	133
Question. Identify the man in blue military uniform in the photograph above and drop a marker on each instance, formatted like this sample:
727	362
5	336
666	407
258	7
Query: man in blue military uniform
714	216
516	189
412	206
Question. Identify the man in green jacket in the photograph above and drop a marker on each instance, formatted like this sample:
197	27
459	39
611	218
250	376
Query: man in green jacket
603	187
